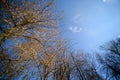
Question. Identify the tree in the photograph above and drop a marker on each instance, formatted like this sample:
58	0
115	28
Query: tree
85	67
111	60
21	24
18	17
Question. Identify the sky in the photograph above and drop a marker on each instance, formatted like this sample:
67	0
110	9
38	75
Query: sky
89	24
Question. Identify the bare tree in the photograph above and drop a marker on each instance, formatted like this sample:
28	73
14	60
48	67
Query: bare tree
84	66
111	60
19	17
23	23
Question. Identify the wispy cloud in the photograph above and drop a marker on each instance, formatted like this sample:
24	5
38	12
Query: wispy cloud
76	24
75	29
77	18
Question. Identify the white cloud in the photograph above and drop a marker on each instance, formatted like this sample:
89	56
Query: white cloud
75	29
109	1
104	0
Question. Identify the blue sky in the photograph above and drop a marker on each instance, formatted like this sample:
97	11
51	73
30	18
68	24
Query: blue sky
90	23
